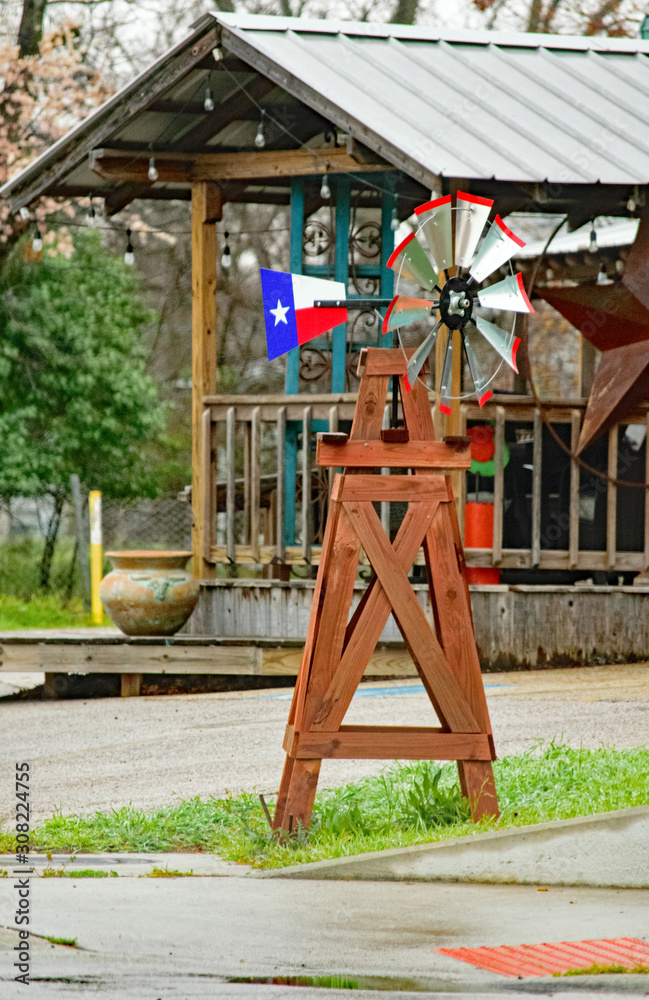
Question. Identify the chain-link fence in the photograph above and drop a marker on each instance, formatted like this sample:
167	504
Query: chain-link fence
26	524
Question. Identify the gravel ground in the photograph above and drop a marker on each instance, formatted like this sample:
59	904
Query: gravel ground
105	753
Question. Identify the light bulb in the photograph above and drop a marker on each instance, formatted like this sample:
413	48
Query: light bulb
260	138
619	266
592	243
37	243
549	274
153	173
24	213
226	259
325	190
394	224
91	217
602	276
129	258
208	103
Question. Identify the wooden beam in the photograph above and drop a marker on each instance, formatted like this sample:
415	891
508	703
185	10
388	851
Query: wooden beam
187	168
383	454
206	212
388	743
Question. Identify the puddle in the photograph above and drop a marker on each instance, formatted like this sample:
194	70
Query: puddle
390	984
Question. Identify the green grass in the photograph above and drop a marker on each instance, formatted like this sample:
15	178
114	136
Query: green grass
68	942
605	970
407	804
81	873
44	611
166	872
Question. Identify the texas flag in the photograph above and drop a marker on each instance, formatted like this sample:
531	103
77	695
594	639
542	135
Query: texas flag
290	315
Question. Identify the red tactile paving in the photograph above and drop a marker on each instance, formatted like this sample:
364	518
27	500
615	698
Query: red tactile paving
544	959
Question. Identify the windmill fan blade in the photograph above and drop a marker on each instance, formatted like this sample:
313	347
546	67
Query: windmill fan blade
411	257
498	246
479	381
417	360
436	219
445	388
471	214
403	311
505	343
507	294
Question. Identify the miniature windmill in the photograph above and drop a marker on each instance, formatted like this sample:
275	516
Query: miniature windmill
456	300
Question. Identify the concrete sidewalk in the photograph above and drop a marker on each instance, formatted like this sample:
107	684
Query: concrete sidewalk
181	938
611	849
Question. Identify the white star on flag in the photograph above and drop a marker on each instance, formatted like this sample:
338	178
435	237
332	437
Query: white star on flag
280	313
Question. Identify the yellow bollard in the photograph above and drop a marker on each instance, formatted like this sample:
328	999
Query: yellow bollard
97	611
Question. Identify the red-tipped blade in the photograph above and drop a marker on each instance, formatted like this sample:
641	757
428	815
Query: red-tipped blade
508	294
410	259
445	389
505	343
498	246
403	311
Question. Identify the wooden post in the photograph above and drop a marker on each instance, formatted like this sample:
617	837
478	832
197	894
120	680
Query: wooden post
206	212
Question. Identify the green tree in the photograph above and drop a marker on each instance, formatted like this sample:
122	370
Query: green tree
75	395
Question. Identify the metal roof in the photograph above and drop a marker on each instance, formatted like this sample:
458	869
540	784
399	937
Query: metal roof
468	104
437	105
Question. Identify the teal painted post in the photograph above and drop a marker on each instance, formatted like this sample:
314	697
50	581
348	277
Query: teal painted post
293	366
341	274
387	246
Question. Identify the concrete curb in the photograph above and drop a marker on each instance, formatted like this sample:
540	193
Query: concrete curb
128	865
607	850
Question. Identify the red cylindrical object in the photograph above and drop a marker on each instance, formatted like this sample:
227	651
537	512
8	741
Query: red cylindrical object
479	534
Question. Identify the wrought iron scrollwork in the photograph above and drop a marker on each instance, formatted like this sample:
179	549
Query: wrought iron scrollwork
317	238
314	364
366	241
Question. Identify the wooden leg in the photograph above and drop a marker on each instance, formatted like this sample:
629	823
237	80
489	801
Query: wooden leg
296	794
131	685
478	785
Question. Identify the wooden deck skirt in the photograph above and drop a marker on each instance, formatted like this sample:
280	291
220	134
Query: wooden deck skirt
517	627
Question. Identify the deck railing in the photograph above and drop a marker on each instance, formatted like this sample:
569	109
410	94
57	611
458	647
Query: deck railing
548	512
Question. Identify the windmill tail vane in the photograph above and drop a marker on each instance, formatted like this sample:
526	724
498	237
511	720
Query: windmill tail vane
298	307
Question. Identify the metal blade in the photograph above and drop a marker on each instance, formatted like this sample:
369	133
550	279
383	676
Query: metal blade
479	381
507	294
418	359
411	258
403	311
505	343
470	216
498	246
436	219
445	388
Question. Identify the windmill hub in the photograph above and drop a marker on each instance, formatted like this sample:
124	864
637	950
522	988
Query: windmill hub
456	303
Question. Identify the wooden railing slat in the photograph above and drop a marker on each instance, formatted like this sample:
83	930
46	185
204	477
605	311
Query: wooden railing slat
230	505
499	492
611	500
573	543
255	484
281	482
536	488
307	506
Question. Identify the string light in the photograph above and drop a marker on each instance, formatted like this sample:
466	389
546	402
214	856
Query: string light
602	275
619	266
394	224
208	103
631	205
226	259
37	242
91	217
153	171
592	243
260	138
325	190
129	258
